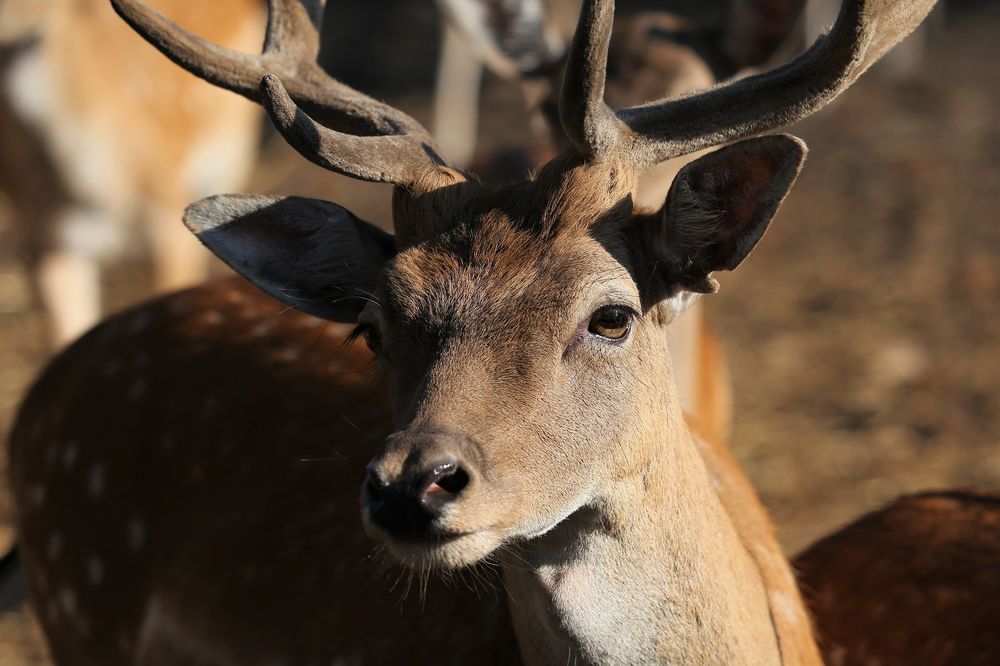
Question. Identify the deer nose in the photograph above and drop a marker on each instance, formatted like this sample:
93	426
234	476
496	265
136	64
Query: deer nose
410	505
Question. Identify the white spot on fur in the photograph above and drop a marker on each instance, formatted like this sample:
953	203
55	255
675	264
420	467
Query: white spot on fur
69	455
67	601
160	628
138	322
42	580
288	355
82	626
235	298
111	368
262	329
211	318
36	495
95	481
52	611
136	534
95	571
137	390
53	547
179	306
209	407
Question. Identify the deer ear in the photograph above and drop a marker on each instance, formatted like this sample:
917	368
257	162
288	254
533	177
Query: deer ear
312	255
718	208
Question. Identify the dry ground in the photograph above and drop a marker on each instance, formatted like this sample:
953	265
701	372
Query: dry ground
863	333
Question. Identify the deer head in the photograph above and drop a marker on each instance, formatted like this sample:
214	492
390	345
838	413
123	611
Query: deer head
520	331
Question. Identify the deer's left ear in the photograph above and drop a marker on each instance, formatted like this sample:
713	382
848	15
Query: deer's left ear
717	209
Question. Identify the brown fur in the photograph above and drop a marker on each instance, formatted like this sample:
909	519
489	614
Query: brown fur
917	582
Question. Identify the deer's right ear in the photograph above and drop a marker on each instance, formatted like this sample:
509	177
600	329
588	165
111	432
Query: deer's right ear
312	255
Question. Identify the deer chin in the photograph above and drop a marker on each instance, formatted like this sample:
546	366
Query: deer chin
443	551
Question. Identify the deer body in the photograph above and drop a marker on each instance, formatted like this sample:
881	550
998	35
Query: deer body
526	407
83	95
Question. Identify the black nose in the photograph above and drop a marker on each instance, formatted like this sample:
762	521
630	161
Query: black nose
409	506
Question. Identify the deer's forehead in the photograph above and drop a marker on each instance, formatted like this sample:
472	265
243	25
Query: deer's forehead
485	275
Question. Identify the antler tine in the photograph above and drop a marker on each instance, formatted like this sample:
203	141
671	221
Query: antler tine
375	140
588	121
393	158
864	31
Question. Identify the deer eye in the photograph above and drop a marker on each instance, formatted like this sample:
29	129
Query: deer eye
370	335
613	322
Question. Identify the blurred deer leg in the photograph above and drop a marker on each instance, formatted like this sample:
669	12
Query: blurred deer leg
69	284
456	99
179	260
68	273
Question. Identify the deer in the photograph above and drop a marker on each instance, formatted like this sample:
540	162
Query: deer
493	378
89	150
652	55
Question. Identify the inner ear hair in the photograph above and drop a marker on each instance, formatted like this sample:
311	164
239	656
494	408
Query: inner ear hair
719	207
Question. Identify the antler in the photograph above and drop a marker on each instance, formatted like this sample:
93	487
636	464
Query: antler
651	133
351	134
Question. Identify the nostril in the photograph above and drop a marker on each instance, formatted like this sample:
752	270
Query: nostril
444	484
454	481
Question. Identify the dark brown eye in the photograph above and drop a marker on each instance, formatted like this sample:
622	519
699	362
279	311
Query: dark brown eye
370	336
612	322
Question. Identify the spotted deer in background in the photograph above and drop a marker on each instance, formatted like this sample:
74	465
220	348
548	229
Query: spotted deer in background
89	147
652	55
187	474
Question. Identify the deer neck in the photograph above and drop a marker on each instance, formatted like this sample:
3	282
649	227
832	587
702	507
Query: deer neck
653	570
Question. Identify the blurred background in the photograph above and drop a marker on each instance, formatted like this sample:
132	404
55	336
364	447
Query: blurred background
862	336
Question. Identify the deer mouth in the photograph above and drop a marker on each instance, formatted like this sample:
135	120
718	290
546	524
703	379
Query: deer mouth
436	549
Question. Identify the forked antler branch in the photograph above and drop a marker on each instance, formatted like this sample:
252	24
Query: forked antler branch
337	127
651	133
